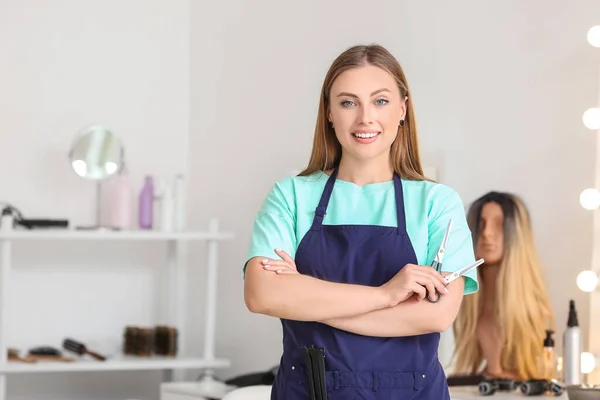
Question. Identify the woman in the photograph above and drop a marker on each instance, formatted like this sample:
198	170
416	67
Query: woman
340	253
504	323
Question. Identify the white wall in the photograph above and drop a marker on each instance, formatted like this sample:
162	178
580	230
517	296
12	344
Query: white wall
67	64
236	85
499	90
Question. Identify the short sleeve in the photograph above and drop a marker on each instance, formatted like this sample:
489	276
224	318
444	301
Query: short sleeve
274	227
459	247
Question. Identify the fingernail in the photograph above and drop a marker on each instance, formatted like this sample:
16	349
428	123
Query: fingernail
267	266
446	290
279	271
265	261
277	250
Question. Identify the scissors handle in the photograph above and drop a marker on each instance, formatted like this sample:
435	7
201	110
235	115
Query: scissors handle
436	299
436	265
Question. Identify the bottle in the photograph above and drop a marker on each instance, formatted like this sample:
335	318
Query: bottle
146	204
7	220
166	208
548	362
572	348
121	202
179	203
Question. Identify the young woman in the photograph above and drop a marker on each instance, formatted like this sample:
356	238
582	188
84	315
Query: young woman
504	323
341	252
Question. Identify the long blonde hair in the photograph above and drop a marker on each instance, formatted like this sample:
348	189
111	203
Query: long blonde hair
327	151
523	311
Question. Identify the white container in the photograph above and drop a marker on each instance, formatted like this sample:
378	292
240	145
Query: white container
179	203
6	220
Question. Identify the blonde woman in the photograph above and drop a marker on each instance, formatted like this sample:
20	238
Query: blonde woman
503	324
341	253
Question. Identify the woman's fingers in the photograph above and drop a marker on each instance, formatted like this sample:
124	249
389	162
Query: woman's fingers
419	290
278	266
432	280
284	256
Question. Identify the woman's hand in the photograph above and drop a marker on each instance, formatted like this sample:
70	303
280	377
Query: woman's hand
413	280
285	266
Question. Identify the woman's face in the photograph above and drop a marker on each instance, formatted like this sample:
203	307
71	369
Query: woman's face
490	240
365	108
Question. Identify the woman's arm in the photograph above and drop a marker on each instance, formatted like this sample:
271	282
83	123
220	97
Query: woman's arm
409	318
308	299
304	298
419	317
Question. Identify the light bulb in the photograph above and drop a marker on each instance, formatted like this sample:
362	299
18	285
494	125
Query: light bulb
593	36
591	118
587	281
588	362
590	199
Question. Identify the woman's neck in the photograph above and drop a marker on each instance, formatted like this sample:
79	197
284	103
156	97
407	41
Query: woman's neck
367	172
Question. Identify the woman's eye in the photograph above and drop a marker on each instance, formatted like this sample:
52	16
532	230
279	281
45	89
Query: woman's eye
381	102
347	103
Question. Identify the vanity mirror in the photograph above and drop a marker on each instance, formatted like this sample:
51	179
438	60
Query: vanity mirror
96	154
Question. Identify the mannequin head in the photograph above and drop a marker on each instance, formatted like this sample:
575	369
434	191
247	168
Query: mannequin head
494	219
502	235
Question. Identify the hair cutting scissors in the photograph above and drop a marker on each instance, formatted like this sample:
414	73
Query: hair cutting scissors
439	257
454	276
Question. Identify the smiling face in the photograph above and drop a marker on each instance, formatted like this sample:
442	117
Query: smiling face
365	108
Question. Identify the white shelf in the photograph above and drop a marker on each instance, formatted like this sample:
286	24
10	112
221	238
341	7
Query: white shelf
71	234
117	364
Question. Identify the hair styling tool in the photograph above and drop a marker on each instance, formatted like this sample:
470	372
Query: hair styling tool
79	348
315	367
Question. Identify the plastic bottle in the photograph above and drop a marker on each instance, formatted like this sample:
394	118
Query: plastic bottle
121	202
179	203
146	204
572	348
7	220
166	208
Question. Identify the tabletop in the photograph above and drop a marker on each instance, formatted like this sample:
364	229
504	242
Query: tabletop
471	393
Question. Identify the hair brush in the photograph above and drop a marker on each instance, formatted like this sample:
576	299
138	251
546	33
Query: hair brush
79	348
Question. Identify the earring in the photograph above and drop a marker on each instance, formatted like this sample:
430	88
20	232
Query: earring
401	122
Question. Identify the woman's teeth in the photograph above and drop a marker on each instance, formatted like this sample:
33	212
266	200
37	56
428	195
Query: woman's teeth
365	135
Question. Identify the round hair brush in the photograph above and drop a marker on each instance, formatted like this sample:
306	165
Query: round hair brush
79	348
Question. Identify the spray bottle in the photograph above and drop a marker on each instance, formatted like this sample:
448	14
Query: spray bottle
572	348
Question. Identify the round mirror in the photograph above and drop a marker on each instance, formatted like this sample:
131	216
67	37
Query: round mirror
96	153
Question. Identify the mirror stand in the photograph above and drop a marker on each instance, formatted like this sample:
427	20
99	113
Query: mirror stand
98	211
96	154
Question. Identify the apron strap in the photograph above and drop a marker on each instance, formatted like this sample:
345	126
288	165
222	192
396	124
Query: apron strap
321	209
400	214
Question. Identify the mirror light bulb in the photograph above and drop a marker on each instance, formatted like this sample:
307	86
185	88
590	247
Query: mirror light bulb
590	199
591	118
593	36
588	362
587	281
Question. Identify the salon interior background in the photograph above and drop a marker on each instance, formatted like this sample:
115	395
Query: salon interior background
226	93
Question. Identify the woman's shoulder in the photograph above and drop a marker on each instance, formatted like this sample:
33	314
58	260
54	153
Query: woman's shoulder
436	196
296	185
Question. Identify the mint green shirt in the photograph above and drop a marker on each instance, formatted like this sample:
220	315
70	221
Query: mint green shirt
287	214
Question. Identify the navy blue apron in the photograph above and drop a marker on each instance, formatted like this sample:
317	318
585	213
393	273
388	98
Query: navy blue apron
358	367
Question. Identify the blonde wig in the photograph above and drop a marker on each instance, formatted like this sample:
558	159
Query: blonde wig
523	307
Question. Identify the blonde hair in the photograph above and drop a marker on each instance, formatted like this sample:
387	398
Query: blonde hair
523	306
327	151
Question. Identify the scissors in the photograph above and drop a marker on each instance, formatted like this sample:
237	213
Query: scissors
454	276
439	257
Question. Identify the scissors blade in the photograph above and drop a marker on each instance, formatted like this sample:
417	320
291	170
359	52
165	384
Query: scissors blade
440	254
455	275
